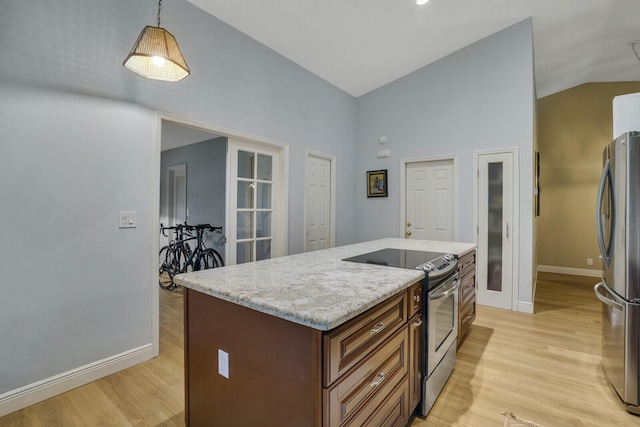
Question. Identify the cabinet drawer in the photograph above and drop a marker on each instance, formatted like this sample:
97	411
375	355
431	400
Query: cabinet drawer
414	299
360	392
466	316
348	344
467	287
392	412
467	263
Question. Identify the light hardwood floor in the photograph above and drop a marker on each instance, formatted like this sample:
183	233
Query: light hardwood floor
543	367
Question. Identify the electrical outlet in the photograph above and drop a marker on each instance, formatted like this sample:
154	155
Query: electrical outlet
589	261
223	363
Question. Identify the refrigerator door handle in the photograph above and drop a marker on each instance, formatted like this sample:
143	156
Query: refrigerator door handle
606	252
604	299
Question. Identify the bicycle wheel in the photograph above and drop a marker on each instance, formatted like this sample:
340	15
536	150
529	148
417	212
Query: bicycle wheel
218	258
209	258
166	277
164	253
167	268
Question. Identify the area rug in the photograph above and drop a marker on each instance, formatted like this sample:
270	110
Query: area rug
512	421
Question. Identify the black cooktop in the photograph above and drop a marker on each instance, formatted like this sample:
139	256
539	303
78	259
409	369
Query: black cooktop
401	258
434	264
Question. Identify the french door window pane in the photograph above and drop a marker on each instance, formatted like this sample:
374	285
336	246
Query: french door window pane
494	268
244	252
263	249
264	195
263	224
245	164
245	194
245	225
264	167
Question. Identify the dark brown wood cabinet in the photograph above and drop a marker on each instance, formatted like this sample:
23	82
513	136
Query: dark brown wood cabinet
275	367
466	294
286	374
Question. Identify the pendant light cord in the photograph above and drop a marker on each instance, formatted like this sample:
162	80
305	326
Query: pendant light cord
160	8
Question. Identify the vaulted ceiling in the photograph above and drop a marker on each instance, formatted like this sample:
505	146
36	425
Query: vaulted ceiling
360	45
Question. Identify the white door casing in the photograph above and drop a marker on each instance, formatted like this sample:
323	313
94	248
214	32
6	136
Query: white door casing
429	199
319	203
495	196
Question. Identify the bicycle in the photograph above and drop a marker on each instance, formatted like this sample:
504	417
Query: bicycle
177	257
173	254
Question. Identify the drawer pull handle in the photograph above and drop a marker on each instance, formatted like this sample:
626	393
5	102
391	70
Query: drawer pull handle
377	328
377	381
416	298
417	323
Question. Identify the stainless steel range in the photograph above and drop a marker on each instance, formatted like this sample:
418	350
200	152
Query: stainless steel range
439	307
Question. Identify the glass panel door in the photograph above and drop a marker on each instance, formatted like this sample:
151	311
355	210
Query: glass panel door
254	206
496	233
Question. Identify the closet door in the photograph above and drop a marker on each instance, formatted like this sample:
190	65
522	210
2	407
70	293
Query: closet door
496	231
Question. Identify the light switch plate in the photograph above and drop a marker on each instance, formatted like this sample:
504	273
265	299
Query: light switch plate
223	363
127	219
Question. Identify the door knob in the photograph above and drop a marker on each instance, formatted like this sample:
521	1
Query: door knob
408	233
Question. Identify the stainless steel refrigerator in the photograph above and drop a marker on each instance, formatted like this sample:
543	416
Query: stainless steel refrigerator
618	229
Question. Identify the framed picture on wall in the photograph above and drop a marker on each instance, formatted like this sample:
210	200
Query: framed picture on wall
377	183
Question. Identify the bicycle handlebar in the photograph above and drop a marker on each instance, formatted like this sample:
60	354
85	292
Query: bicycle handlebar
188	228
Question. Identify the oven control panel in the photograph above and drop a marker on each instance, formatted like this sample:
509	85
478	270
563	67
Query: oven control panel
440	266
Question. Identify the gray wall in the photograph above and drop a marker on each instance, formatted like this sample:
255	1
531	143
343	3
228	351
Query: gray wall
235	82
479	98
206	183
75	288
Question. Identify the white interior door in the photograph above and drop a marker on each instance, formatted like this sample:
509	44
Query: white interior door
430	212
496	229
319	210
177	198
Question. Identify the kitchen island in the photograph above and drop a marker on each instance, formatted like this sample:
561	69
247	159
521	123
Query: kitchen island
277	341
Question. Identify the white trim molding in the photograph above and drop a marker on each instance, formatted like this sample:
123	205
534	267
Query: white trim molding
525	307
30	394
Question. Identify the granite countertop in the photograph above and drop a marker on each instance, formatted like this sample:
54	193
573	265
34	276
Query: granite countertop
315	289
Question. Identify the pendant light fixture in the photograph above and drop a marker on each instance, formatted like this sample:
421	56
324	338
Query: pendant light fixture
156	55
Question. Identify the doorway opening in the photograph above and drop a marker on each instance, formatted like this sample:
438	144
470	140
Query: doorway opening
192	180
211	193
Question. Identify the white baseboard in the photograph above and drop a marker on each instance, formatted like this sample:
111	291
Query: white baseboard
568	270
30	394
525	307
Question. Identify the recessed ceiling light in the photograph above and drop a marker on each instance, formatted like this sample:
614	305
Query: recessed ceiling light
421	2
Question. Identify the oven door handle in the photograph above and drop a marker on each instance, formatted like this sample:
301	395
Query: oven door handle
448	292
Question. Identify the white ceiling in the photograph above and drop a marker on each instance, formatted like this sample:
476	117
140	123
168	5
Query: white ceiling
360	45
